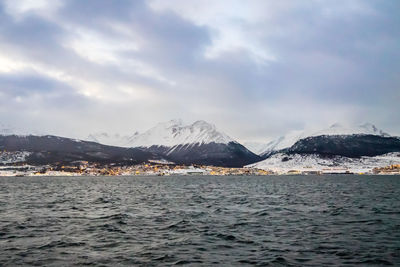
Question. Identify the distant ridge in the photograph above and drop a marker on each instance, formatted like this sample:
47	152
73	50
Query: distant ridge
50	149
196	143
286	141
353	146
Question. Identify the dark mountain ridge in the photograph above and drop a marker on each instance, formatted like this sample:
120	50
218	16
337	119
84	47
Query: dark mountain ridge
51	149
225	155
352	146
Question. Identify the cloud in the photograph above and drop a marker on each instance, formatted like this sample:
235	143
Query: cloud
22	8
257	70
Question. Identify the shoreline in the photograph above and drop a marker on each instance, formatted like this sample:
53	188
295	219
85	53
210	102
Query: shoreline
203	175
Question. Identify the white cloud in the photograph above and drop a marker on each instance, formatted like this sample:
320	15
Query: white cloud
19	8
86	86
97	48
229	22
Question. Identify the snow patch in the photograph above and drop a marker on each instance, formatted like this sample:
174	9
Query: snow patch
283	163
13	157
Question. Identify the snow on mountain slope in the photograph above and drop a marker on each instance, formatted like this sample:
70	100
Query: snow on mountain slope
10	130
7	129
339	129
282	163
110	139
284	141
256	147
291	138
174	132
279	143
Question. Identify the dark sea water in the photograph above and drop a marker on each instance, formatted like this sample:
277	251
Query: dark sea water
229	221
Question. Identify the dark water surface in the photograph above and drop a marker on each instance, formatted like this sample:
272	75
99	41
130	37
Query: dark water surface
275	220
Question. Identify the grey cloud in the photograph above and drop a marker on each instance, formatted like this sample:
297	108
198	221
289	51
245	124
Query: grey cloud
332	63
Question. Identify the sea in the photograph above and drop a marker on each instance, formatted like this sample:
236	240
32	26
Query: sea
339	220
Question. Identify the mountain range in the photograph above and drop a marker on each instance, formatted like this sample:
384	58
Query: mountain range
201	143
286	141
196	143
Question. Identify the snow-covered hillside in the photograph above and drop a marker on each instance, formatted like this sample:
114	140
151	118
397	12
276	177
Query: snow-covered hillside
282	163
291	138
174	132
284	141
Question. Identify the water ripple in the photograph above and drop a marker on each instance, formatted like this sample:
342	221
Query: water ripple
200	221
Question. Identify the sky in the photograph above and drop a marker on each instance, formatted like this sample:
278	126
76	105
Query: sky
255	69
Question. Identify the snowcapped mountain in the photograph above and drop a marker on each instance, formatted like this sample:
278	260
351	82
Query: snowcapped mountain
291	138
337	149
196	143
174	132
169	134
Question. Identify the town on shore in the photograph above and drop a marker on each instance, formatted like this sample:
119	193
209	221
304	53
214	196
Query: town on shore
157	168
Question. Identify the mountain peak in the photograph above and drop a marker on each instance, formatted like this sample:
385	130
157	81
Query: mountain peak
174	132
172	123
336	125
371	128
204	125
367	124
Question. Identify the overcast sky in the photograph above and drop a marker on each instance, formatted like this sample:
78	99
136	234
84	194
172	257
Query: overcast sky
256	69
